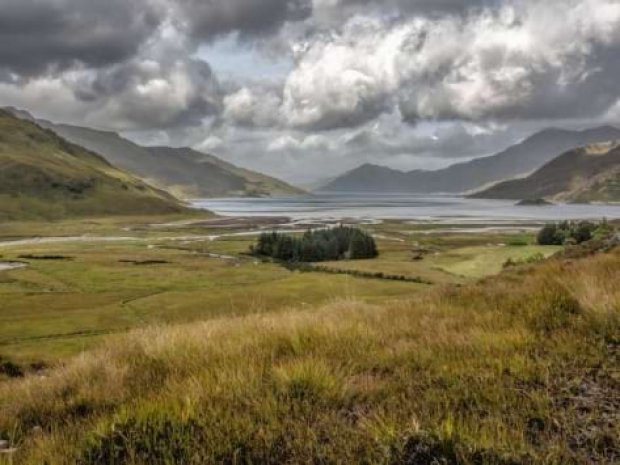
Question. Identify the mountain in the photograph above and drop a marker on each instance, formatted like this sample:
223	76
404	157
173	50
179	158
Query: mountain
184	172
587	174
518	159
226	179
43	176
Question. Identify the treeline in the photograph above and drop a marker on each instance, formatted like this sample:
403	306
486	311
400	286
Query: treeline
341	243
573	232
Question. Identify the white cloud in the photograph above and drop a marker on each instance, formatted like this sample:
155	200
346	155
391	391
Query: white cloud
251	108
513	62
284	143
210	144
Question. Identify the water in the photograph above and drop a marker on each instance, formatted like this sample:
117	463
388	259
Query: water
4	266
438	208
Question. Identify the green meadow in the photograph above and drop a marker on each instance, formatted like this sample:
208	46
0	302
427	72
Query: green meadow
109	276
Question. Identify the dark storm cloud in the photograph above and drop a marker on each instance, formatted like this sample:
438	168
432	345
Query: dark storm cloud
417	7
211	18
142	93
40	36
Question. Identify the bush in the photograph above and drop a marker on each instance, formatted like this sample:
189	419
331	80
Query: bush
549	236
317	246
10	369
567	232
536	258
603	231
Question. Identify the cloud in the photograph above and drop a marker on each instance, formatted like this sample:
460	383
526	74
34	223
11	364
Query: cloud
159	87
427	60
42	36
516	64
289	143
332	10
207	19
507	63
210	144
259	107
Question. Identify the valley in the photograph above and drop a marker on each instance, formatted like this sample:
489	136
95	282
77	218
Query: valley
137	328
309	232
96	277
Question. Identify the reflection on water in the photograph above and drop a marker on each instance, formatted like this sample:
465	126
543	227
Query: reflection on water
394	206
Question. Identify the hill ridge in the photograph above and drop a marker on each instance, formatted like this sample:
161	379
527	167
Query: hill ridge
586	174
516	160
43	175
184	178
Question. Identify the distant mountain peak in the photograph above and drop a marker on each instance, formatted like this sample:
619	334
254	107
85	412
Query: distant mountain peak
517	160
374	167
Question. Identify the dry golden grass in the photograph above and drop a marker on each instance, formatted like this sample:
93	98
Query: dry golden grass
521	368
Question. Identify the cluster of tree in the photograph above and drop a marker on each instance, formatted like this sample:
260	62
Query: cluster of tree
572	232
317	246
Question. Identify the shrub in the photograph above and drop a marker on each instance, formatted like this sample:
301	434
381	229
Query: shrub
537	257
567	232
10	369
603	231
549	235
518	242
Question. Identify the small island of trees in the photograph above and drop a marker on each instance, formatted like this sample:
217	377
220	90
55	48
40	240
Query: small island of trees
340	243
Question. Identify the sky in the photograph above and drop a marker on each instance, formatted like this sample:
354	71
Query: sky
307	89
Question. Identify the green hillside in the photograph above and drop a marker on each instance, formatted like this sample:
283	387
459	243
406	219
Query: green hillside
42	176
183	172
192	174
587	174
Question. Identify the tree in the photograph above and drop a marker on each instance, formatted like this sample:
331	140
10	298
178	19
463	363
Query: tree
582	231
549	235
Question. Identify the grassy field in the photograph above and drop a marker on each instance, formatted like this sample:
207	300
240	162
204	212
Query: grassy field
444	257
56	307
126	274
516	369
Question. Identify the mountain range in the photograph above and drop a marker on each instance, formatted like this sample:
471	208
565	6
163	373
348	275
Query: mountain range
517	160
54	170
586	174
184	172
43	176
